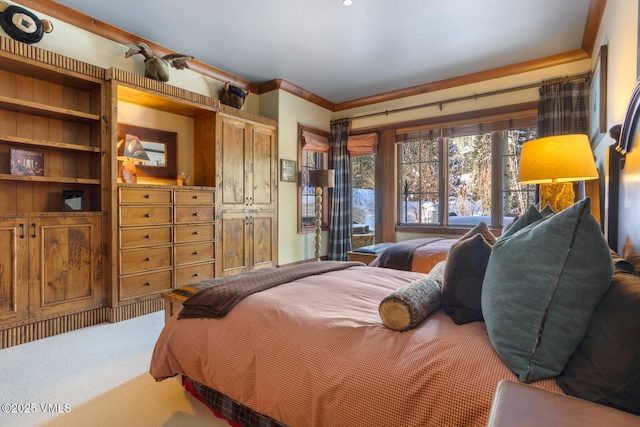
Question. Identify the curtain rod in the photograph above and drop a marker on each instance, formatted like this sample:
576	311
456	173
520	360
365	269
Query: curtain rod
479	95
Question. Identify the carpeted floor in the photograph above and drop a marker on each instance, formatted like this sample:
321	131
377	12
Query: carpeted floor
96	376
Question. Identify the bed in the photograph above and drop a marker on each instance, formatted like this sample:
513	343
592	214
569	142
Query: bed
314	350
420	254
330	361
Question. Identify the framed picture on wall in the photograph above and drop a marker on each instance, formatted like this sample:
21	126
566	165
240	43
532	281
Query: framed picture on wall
598	97
287	170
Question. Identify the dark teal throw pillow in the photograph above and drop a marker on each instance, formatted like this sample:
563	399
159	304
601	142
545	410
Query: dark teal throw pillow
541	288
530	216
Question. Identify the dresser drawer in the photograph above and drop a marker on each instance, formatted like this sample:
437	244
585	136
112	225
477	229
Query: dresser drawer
145	195
194	197
195	232
186	214
194	274
145	215
145	284
147	236
195	252
139	260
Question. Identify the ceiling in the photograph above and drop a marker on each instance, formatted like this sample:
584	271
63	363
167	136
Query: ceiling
343	53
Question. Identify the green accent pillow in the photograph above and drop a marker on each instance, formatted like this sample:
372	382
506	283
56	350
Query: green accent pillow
541	288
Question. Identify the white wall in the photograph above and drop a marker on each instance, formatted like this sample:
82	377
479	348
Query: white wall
618	30
292	110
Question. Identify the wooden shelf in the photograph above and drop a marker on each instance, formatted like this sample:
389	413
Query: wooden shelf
43	110
60	179
48	144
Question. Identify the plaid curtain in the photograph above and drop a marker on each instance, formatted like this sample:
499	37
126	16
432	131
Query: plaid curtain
340	221
563	108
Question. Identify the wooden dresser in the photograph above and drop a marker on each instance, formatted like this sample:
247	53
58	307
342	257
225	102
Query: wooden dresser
166	238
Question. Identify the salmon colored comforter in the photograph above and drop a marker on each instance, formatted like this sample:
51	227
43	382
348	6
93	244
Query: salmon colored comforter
314	352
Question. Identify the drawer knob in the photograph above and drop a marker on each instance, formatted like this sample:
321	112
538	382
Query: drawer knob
196	233
195	214
148	284
148	236
148	215
147	196
195	197
147	259
195	275
196	253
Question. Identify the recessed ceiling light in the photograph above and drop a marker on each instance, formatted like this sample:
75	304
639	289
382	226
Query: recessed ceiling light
346	2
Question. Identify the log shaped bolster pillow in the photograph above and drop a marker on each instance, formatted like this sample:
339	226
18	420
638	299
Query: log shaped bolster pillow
407	306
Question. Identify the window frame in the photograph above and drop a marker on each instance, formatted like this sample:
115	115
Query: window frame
326	194
442	131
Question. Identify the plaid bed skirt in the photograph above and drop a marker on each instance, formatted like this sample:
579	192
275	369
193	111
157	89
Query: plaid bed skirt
225	407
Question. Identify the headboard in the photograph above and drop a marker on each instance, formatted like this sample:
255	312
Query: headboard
624	184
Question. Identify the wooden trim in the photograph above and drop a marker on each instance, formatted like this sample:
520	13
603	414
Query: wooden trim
509	70
297	91
594	17
136	309
386	187
24	333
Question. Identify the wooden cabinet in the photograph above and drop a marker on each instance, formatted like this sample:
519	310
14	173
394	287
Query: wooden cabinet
52	138
54	267
195	248
248	241
246	172
145	258
166	239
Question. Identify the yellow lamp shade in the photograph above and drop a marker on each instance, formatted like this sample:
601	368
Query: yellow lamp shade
561	158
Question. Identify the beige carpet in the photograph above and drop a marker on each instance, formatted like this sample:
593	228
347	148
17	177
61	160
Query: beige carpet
96	376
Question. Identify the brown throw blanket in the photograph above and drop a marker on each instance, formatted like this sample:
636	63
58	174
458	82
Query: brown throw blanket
217	297
399	256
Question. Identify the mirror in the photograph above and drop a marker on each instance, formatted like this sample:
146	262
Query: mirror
160	146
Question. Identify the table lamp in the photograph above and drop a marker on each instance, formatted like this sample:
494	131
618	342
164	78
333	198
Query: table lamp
130	149
320	178
555	162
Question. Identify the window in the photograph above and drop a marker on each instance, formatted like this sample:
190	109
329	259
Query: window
454	177
312	154
362	151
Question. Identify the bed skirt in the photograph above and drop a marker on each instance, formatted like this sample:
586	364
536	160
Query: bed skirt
225	407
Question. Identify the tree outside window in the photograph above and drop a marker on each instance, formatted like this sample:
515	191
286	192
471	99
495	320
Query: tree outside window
453	180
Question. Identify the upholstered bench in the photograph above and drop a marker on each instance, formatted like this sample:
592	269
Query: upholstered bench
517	404
367	254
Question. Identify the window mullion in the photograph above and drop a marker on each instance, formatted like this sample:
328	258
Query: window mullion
443	208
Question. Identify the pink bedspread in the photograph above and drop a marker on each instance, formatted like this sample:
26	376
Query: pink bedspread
314	352
427	256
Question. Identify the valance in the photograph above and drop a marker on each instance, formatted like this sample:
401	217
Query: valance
314	142
361	145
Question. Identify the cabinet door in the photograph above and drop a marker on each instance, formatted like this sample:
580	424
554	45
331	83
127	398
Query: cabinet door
265	168
263	239
235	164
234	256
14	290
64	258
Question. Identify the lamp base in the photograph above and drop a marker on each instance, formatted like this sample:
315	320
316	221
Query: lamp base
558	196
129	172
